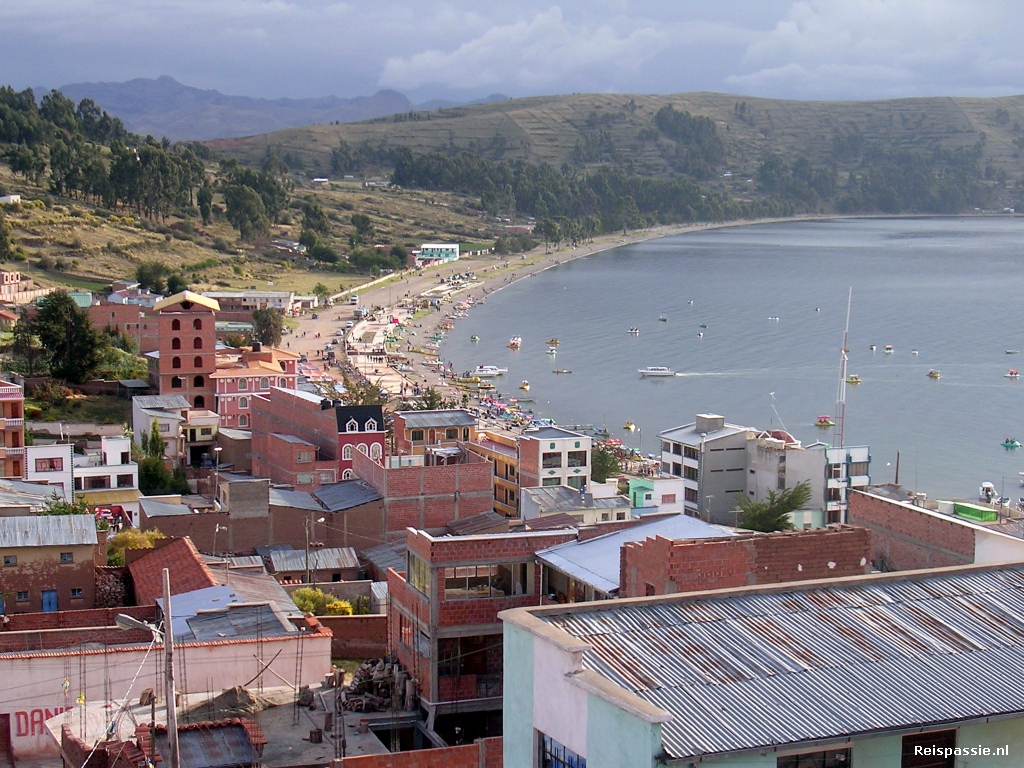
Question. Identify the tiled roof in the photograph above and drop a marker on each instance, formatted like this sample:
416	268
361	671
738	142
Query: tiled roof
188	571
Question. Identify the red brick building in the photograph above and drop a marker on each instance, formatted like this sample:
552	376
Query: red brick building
130	320
249	372
429	491
415	431
186	357
660	566
443	612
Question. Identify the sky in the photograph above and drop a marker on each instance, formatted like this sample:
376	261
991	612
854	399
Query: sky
469	49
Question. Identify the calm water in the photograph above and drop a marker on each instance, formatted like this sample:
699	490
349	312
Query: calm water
949	288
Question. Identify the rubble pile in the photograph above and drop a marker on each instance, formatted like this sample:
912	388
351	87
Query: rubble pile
377	685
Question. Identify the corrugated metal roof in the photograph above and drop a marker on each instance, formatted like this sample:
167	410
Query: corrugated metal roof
553	433
794	665
162	508
485	521
211	747
562	498
688	434
280	497
161	401
47	530
345	495
110	495
596	561
386	556
328	558
427	419
234	623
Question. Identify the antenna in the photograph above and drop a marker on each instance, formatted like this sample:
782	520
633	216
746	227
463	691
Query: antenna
776	412
841	397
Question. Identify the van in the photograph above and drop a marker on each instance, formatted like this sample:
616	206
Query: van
353	299
349	324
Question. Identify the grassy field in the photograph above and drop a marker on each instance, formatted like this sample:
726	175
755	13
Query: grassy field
98	409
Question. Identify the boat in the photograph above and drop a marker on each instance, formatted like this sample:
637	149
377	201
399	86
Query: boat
629	426
656	370
561	370
466	379
824	421
662	319
474	338
913	352
515	342
853	379
484	371
635	331
872	347
1013	373
525	385
553	342
1013	351
933	374
1011	444
552	350
987	492
485	385
887	349
703	325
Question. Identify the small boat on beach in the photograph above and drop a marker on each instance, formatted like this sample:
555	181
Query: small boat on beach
486	371
934	374
824	421
1013	373
656	370
853	379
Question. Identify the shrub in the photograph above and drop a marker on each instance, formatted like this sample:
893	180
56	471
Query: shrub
338	607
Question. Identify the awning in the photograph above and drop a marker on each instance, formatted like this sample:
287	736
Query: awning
104	496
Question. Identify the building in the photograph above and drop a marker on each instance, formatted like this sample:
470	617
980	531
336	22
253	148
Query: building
49	563
554	456
711	458
21	498
16	289
139	297
130	320
189	434
324	564
246	374
860	671
12	429
185	357
247	301
435	254
583	507
51	465
503	452
305	440
414	431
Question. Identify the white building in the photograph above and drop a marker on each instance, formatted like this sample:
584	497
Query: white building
51	464
249	300
109	467
432	254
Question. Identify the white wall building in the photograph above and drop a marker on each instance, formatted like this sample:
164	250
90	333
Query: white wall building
430	254
51	464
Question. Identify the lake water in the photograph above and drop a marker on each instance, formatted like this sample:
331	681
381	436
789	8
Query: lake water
948	287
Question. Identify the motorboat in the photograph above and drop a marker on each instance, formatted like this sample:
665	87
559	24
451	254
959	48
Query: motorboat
1013	351
552	350
872	347
824	421
635	331
656	370
525	385
515	342
703	325
662	319
987	492
485	371
853	379
1013	373
485	385
934	374
914	352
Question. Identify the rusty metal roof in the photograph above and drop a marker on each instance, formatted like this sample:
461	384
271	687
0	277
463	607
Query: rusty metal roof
769	669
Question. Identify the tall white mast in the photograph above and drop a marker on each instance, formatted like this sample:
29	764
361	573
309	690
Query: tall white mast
841	397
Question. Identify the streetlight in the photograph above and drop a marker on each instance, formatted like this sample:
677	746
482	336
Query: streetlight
217	529
124	621
309	522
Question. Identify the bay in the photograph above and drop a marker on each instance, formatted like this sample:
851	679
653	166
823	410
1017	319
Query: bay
949	288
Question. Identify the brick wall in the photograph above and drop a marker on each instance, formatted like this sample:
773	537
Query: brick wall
357	637
483	753
661	566
97	617
905	537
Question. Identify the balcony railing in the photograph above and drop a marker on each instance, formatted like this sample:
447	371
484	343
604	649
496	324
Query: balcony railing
12	423
11	393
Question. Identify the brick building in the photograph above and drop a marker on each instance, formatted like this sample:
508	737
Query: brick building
415	431
431	490
660	566
49	563
12	430
185	357
129	320
304	440
249	372
443	612
554	456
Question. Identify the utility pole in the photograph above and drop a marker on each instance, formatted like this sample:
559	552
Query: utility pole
172	709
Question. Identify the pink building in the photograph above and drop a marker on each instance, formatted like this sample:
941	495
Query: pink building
240	377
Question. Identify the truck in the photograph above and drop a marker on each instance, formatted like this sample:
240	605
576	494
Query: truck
353	299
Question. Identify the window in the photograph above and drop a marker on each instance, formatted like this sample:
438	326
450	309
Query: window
577	459
465	433
690	453
199	401
451	434
375	451
243	384
205	431
858	468
243	402
175	325
690	494
467	582
916	745
282	382
346	453
404	631
264	383
363	449
197	362
352	426
303	457
10	560
690	473
551	481
197	324
554	755
416	435
370	426
50	465
347	474
67	557
175	362
834	494
550	460
419	574
579	483
304	478
164	427
198	381
125	481
197	343
175	343
833	758
76	593
834	471
668	498
23	596
176	382
243	420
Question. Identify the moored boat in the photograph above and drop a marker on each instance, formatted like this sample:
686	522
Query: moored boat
887	349
474	338
515	342
561	370
1011	443
552	350
484	371
629	426
553	342
525	385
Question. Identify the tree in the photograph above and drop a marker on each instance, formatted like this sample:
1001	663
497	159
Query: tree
204	199
26	346
321	291
152	275
130	538
246	211
6	243
176	284
267	326
364	392
66	335
314	218
627	211
603	463
314	600
364	228
55	505
773	514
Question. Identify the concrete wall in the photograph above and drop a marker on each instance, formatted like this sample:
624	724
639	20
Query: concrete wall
517	710
483	753
40	568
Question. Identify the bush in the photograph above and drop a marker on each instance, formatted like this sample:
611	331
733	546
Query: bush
338	607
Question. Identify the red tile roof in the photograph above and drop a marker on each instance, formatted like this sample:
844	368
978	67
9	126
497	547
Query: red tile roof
188	571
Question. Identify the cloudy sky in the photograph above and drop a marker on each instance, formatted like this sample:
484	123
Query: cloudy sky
465	49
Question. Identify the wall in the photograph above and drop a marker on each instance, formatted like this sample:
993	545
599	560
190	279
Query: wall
905	537
357	637
39	569
663	566
517	687
483	753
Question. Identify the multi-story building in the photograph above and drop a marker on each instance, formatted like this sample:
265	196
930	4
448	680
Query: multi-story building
109	467
246	374
711	458
12	430
415	431
189	434
502	451
433	254
131	320
186	355
554	456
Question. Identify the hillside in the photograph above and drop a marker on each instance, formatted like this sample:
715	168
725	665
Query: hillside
584	130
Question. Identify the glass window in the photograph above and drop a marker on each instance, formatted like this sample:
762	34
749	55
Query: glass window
690	494
419	574
352	426
346	453
690	473
303	457
346	475
859	468
451	434
10	560
551	481
304	478
67	557
919	749
833	758
23	596
376	451
468	582
125	481
465	433
76	592
554	755
363	449
243	384
690	453
578	483
550	460
165	427
416	435
243	420
264	383
55	464
243	402
577	459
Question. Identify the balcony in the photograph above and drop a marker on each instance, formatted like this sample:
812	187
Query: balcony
12	423
8	452
11	392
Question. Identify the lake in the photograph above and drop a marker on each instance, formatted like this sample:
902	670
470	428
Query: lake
945	287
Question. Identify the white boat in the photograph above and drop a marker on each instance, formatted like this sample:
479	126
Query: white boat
484	371
656	370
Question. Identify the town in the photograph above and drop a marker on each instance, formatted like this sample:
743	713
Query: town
371	562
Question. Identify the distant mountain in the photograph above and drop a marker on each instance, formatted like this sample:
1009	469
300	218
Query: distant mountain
165	107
